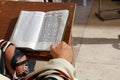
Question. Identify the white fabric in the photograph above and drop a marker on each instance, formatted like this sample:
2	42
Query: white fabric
1	40
4	49
60	64
3	77
0	49
0	54
15	76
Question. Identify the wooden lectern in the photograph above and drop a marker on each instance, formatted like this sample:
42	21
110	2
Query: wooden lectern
9	12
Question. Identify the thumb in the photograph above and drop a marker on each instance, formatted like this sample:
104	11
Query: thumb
52	47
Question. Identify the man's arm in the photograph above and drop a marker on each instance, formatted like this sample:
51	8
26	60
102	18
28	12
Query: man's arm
62	50
59	67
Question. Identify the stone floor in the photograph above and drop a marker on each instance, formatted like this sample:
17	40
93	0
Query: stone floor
96	44
98	56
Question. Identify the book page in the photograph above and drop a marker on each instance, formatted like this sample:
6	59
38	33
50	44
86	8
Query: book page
53	29
27	28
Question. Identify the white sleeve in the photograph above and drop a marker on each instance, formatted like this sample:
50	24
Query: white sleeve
58	64
63	65
3	77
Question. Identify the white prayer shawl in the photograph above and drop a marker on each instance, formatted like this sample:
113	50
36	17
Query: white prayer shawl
59	64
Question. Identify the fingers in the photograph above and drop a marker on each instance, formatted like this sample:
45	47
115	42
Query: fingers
60	45
52	47
63	44
62	50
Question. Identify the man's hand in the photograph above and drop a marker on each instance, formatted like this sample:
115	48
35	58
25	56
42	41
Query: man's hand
62	50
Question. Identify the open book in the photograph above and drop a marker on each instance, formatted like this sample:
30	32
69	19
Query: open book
37	30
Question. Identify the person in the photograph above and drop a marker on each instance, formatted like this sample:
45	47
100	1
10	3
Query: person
58	68
13	62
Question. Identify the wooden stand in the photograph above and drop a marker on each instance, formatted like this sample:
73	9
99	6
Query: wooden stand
9	12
